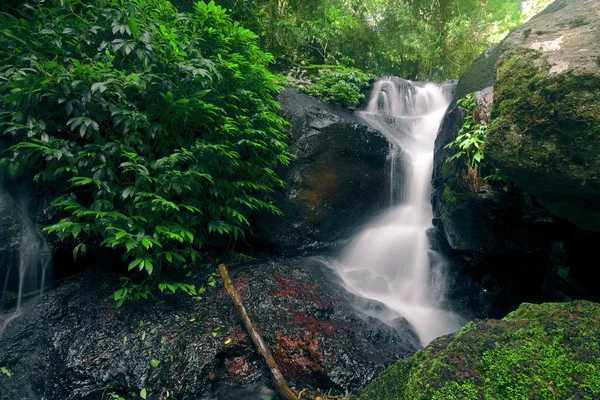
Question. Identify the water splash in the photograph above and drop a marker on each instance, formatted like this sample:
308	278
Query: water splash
391	261
25	264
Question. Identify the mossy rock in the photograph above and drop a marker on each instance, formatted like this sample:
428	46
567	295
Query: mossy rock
545	129
545	351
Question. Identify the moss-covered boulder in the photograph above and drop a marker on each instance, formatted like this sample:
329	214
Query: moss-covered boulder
545	128
545	351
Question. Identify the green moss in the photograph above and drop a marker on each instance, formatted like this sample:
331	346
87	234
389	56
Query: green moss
577	22
457	391
544	134
393	381
547	351
448	196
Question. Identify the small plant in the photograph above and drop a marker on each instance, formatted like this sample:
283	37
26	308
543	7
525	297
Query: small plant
471	136
498	177
341	86
469	145
114	396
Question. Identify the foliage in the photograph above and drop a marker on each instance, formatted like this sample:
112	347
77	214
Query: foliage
417	39
545	351
340	86
158	128
470	140
499	178
471	136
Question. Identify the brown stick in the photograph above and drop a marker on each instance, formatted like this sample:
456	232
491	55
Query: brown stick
280	384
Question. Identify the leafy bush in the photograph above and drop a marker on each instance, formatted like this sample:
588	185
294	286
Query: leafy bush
340	86
158	128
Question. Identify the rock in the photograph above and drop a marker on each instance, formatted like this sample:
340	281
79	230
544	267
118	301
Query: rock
539	351
336	184
501	237
545	130
474	216
71	344
506	240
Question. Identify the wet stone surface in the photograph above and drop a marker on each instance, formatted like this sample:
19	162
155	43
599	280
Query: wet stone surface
72	344
336	183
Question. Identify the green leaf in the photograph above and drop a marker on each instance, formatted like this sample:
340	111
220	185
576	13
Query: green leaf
143	391
154	363
135	263
132	24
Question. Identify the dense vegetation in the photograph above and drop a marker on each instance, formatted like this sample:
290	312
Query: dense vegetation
415	39
157	129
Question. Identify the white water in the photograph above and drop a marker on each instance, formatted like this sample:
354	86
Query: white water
391	260
33	261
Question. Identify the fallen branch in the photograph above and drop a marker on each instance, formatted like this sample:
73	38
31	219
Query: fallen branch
280	384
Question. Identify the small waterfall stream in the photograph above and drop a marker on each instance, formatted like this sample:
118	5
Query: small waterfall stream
24	263
391	261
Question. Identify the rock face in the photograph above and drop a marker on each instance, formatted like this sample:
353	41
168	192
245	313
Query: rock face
508	239
545	131
72	344
336	183
545	351
502	239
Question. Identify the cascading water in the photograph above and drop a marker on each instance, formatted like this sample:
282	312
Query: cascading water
24	264
391	261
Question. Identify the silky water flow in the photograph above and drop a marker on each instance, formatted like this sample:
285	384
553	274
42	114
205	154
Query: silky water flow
27	275
391	260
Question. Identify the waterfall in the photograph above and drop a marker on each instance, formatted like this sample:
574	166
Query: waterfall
25	260
391	261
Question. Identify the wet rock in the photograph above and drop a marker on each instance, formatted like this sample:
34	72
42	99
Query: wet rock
505	234
539	351
500	237
545	130
71	344
336	183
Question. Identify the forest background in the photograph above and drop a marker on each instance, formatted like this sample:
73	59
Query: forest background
413	39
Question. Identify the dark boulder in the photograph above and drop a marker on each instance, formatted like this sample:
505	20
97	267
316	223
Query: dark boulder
508	242
71	344
502	239
336	183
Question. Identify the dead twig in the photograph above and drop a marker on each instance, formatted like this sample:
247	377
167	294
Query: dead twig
280	383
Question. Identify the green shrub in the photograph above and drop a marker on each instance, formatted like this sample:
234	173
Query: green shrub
339	86
471	136
469	143
157	128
